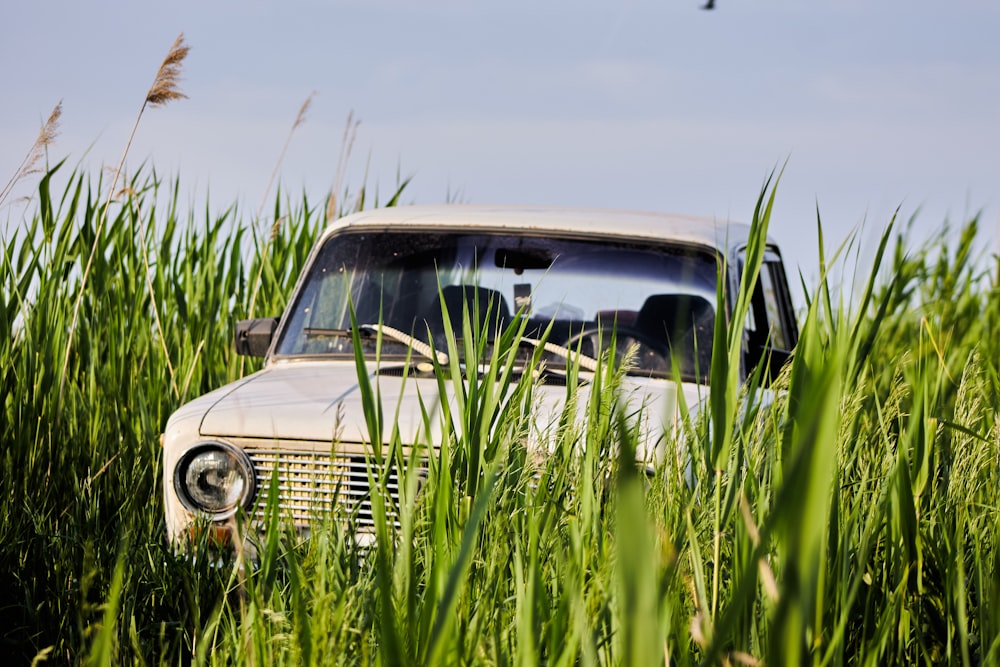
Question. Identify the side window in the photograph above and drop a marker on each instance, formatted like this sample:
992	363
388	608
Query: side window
774	292
770	330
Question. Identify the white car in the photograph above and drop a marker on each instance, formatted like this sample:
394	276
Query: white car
568	276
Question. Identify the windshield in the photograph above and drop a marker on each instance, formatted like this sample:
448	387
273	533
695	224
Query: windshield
661	298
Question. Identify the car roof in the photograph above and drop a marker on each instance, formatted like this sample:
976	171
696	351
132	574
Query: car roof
716	233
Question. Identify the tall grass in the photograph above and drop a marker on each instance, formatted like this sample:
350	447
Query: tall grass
850	520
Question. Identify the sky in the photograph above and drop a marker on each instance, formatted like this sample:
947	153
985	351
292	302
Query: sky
866	108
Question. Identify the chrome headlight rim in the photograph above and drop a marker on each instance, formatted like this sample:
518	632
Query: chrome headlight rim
244	465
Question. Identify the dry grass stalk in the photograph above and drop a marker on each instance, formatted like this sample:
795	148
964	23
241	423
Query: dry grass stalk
346	145
276	227
152	294
163	90
46	137
299	119
331	206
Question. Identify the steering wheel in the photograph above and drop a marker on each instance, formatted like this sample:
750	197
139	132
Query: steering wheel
652	355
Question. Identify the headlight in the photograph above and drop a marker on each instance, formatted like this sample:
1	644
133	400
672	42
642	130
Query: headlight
214	478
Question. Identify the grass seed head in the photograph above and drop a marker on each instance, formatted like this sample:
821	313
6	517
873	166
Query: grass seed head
46	137
165	85
301	118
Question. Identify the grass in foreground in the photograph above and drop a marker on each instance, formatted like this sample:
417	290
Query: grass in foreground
853	520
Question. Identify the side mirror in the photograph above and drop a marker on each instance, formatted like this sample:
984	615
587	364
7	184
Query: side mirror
253	337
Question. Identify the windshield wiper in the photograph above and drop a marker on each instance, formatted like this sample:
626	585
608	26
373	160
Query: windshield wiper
589	363
425	350
333	333
415	344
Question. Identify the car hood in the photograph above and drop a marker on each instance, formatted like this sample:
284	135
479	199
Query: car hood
322	401
318	401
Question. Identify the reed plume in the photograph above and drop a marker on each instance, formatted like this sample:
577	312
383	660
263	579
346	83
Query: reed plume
164	89
46	137
165	85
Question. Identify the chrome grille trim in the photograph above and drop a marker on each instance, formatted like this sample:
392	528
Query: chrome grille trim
317	485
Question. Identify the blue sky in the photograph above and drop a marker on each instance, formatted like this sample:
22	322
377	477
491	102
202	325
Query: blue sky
648	105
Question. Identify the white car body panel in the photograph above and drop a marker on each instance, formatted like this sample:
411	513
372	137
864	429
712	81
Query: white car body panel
312	405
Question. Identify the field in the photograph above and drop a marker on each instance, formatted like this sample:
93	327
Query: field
853	521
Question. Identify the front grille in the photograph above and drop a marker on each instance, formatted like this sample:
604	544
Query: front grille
315	486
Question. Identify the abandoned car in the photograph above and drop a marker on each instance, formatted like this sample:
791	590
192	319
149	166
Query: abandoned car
571	279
